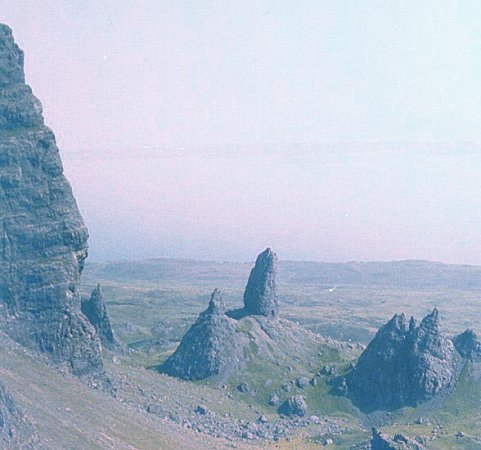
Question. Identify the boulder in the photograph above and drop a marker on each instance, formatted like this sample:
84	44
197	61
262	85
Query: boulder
294	406
381	441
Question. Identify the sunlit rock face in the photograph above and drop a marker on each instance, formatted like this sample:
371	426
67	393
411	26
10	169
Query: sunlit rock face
260	296
43	239
404	365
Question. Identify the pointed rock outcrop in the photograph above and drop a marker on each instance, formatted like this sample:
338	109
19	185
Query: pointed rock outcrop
208	346
467	344
43	239
260	296
95	310
404	365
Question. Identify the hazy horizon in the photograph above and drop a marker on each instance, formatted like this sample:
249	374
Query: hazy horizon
330	131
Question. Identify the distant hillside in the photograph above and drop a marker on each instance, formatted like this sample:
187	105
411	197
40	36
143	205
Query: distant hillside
401	274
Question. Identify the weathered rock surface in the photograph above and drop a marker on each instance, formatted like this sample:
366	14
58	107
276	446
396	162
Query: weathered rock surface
207	347
294	406
381	441
15	430
43	239
95	310
260	296
467	344
404	365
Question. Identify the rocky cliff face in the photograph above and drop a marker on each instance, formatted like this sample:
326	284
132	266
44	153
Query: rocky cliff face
96	312
404	365
43	239
260	296
207	347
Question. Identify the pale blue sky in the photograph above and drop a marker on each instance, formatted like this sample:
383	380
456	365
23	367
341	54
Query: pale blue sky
122	82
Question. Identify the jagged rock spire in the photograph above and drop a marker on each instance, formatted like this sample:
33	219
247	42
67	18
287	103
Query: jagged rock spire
208	346
96	312
260	296
43	238
404	365
216	304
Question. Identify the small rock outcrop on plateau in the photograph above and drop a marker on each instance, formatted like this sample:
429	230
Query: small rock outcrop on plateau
15	430
260	296
43	239
96	312
467	344
381	441
404	365
207	347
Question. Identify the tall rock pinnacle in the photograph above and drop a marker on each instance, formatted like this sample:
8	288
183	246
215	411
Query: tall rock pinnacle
260	296
207	347
43	239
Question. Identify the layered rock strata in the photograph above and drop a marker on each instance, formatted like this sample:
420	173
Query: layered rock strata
43	239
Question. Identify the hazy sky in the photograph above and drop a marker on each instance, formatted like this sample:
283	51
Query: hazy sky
181	124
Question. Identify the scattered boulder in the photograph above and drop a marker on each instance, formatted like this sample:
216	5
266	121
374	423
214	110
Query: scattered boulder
381	441
202	410
243	387
43	243
294	406
95	310
260	296
404	365
274	400
302	382
467	344
208	346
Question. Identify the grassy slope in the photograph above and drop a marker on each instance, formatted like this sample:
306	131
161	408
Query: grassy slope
69	415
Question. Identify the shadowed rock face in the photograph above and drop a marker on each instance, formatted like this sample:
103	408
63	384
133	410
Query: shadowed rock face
404	365
43	239
207	347
467	344
260	296
96	312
